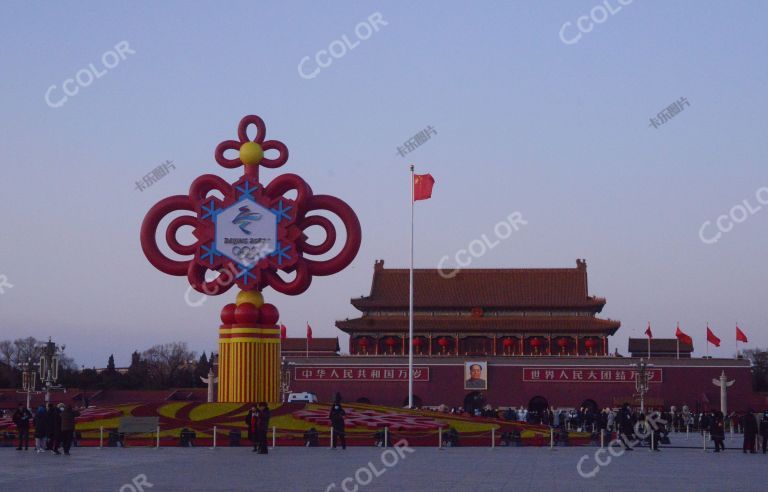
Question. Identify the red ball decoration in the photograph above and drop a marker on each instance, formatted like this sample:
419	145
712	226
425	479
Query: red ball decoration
228	314
269	314
507	342
247	313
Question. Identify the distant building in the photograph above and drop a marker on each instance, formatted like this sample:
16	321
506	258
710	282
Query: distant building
660	347
534	333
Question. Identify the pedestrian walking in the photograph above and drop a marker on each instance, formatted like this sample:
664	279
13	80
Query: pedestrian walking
68	416
252	420
262	427
41	424
53	428
749	425
717	430
21	418
764	430
337	422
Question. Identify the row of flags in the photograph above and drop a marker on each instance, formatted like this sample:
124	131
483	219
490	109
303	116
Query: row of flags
284	332
711	337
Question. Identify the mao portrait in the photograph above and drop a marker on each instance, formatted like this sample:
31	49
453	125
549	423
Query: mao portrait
475	375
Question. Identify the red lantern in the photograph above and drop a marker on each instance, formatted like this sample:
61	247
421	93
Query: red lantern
562	343
589	343
535	343
417	342
363	342
507	342
390	341
443	342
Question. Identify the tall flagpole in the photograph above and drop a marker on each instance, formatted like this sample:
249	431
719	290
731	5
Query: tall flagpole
649	340
410	306
678	340
707	339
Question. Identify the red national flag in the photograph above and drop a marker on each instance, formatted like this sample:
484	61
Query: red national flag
309	332
683	337
740	336
422	186
648	331
283	332
711	338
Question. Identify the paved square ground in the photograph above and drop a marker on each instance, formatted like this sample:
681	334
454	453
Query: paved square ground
424	469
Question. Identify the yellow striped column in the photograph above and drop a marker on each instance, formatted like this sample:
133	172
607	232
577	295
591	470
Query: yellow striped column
249	363
249	351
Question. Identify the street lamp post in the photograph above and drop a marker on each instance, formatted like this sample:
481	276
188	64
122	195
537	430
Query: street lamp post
49	369
642	377
28	376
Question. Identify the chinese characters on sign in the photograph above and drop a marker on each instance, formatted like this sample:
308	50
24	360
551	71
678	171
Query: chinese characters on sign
156	175
415	141
385	373
586	375
666	114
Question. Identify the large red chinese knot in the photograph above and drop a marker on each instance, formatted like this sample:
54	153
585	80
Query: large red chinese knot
247	231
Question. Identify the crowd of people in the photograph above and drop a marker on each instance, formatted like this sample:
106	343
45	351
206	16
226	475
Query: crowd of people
54	427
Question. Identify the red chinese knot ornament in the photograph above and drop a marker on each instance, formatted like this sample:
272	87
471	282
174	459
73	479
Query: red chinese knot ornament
248	231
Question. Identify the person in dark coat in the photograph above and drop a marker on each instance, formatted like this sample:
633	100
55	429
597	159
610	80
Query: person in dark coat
68	416
625	424
21	418
717	430
262	427
337	423
53	428
41	423
251	421
764	431
749	424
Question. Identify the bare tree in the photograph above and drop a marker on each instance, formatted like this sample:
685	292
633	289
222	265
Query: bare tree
165	362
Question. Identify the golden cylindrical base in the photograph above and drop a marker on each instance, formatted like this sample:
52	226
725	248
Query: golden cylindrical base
249	364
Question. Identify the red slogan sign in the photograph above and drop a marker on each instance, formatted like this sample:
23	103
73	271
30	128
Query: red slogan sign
385	373
586	375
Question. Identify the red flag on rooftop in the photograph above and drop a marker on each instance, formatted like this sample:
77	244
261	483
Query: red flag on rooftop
422	186
740	336
711	338
648	331
283	332
309	332
683	337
